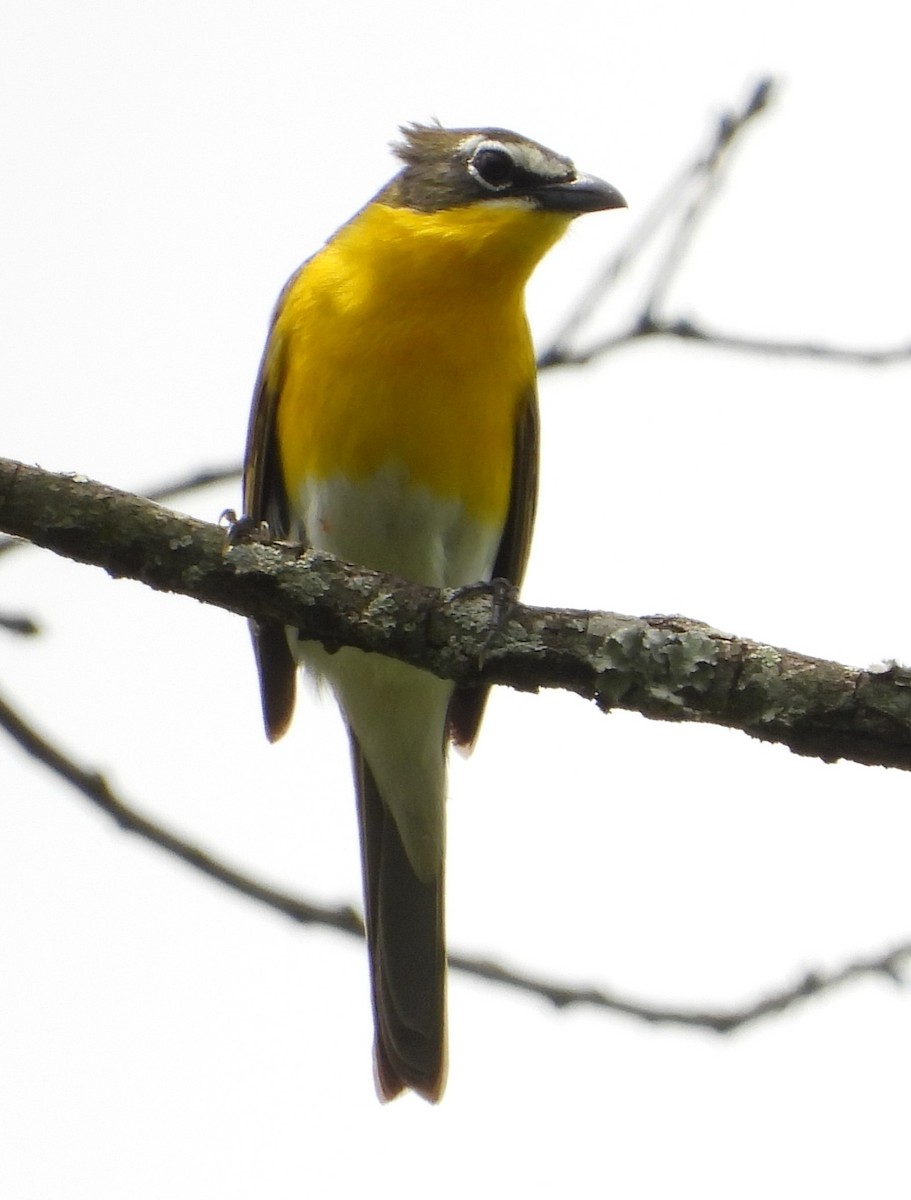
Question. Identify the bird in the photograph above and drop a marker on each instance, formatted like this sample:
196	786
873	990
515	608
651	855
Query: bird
395	425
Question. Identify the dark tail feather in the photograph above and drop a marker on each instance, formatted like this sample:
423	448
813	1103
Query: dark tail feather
407	953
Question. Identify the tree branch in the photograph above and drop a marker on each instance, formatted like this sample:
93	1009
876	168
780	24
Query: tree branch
192	482
18	623
95	788
345	919
686	330
667	668
676	215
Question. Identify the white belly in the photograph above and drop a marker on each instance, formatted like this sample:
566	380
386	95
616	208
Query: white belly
386	523
397	712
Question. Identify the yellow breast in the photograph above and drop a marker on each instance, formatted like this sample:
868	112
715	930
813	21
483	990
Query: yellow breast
404	342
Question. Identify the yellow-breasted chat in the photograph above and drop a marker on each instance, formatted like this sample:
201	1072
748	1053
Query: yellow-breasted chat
395	425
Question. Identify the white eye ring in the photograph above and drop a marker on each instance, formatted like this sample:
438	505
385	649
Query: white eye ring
496	152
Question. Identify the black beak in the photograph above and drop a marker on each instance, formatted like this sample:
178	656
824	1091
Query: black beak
584	194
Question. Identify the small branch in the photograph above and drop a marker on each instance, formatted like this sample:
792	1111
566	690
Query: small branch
682	206
700	176
889	965
592	295
689	331
706	176
15	623
668	668
344	919
857	356
95	788
205	477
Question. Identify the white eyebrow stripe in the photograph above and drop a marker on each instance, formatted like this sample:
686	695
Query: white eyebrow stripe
536	162
528	157
470	144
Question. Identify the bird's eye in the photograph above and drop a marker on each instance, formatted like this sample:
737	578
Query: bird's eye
493	167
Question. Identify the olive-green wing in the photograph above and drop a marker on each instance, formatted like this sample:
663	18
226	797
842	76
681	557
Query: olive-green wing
467	705
265	500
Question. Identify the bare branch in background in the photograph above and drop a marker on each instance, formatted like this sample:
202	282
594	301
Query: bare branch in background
205	477
18	623
95	788
676	215
345	919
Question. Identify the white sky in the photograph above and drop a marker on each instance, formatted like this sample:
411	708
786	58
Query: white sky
165	167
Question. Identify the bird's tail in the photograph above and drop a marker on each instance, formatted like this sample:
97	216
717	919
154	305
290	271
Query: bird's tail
405	940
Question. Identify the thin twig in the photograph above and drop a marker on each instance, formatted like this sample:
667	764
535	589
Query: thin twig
16	623
707	178
683	205
93	786
689	331
598	288
205	477
889	964
699	176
